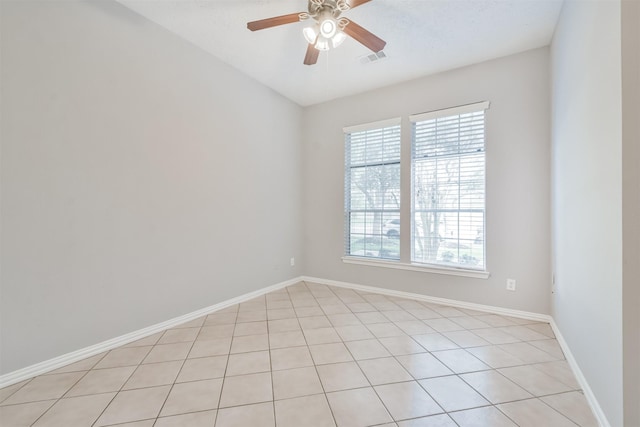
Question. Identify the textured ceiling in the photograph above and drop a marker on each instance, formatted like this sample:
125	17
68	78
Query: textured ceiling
423	37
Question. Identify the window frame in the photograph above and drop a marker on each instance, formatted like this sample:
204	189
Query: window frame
407	196
459	156
348	167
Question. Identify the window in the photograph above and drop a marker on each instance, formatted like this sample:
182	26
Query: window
443	229
448	187
372	190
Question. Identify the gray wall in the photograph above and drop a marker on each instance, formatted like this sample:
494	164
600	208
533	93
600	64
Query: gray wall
142	178
518	196
587	199
631	209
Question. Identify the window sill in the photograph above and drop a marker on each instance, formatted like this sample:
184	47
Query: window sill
478	274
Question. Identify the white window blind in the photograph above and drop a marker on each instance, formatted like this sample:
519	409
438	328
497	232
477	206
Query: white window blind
372	190
448	187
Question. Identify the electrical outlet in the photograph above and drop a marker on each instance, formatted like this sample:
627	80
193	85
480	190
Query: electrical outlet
293	262
511	284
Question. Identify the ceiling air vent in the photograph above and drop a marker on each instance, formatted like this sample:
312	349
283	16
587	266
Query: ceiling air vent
373	57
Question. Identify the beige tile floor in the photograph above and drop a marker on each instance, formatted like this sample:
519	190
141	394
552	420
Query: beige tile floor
314	355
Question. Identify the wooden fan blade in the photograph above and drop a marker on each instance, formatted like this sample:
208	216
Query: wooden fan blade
356	3
364	36
312	55
273	22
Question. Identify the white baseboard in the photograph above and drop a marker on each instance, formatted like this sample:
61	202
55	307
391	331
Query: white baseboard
435	300
75	356
588	393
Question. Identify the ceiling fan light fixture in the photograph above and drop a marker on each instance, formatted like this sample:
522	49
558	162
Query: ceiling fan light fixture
338	39
322	43
328	27
327	30
311	33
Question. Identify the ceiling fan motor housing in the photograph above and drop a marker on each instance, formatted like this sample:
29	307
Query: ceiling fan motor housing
334	8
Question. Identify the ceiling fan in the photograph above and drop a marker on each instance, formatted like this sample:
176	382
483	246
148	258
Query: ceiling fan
329	29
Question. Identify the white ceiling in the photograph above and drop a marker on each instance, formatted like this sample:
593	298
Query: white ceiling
423	37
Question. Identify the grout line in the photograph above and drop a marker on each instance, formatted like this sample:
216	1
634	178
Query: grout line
273	391
74	384
27	381
179	371
315	367
371	386
534	398
133	373
224	376
119	389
